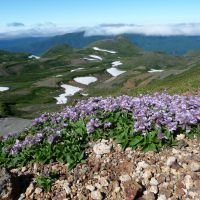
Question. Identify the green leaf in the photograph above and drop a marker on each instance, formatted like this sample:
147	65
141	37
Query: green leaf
135	140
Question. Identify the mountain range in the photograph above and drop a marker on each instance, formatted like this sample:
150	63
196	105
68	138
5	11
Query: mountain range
176	45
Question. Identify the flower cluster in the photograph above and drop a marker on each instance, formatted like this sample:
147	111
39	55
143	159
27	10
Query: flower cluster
148	113
29	141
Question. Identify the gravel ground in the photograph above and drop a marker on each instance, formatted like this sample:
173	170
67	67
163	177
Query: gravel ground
113	174
12	124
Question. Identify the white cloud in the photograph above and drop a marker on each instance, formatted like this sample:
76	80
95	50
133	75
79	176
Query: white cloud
162	30
51	29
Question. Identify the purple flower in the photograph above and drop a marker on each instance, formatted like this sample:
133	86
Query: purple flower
161	136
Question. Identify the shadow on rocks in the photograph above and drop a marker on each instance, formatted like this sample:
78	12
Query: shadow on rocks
11	185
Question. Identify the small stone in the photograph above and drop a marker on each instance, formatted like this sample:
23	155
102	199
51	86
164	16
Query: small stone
153	181
194	166
117	189
171	160
142	164
35	167
149	195
90	187
103	182
131	189
23	169
188	182
162	197
153	189
102	148
180	137
124	178
147	175
22	196
96	195
38	190
65	185
29	190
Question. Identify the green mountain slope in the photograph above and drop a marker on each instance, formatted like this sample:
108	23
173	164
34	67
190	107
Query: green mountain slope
34	83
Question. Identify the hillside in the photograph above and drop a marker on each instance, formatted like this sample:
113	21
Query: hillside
110	67
105	117
176	45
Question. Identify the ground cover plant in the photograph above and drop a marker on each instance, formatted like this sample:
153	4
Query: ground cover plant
148	122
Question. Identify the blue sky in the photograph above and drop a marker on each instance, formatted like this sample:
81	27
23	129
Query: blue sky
51	17
92	12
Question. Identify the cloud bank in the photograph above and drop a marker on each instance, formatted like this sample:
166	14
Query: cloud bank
158	30
18	29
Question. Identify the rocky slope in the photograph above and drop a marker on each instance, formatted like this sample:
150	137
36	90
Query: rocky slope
111	173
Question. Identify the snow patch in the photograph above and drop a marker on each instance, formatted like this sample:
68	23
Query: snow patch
73	70
69	91
95	57
33	56
114	71
90	59
2	89
59	75
116	63
85	80
84	94
155	70
104	50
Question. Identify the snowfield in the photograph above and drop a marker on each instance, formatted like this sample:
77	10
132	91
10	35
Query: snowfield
2	89
85	80
69	91
104	50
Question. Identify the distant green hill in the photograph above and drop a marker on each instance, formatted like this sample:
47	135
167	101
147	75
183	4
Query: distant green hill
121	44
58	50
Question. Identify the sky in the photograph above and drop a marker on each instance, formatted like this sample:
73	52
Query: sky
43	16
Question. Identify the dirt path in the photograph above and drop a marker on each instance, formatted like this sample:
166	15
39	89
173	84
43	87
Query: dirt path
13	124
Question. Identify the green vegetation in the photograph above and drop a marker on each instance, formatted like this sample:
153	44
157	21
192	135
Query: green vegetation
46	182
33	83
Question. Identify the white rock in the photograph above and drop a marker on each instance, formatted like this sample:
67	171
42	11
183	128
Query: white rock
65	185
23	169
147	174
162	197
124	178
90	187
171	160
188	182
142	165
38	190
96	195
153	189
153	181
117	189
102	148
98	185
180	137
103	182
194	166
29	190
